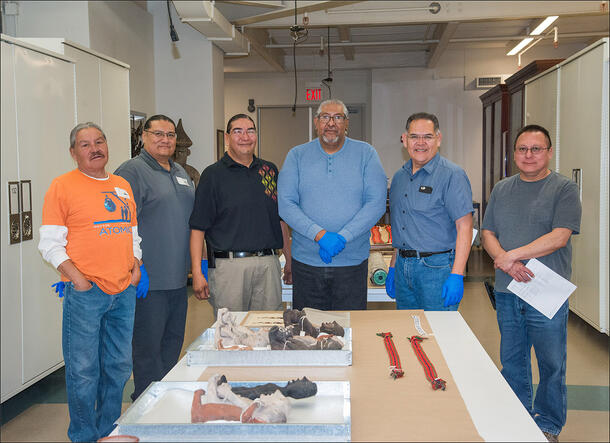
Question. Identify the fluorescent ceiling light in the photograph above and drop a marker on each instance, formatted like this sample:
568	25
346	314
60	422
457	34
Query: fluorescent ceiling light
520	46
545	24
539	30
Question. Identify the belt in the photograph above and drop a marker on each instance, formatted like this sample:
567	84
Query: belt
404	253
242	254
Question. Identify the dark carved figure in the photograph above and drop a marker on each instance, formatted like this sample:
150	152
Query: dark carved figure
183	142
300	388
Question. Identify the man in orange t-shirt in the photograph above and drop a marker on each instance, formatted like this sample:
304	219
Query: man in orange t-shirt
89	233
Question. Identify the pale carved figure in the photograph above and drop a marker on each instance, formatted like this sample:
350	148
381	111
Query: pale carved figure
221	403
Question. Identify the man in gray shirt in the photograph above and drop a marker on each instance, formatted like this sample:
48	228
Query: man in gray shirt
164	196
532	215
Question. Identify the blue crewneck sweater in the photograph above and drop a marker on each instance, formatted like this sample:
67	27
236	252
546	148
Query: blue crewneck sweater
344	192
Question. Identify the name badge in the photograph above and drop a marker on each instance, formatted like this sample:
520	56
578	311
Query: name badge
425	189
121	192
182	181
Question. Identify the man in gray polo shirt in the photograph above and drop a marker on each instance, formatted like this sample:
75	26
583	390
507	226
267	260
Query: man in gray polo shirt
533	214
431	212
164	196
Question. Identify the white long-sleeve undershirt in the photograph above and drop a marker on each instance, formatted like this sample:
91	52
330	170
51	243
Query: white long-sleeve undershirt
53	241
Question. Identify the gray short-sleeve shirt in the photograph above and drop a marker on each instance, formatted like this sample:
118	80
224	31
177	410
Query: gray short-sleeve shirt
519	212
164	201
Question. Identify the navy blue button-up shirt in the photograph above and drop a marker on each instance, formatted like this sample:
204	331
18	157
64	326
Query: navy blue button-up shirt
424	206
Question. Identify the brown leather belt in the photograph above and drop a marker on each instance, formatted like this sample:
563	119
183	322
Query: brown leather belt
242	254
404	253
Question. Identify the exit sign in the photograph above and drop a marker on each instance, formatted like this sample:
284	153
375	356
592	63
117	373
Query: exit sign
313	94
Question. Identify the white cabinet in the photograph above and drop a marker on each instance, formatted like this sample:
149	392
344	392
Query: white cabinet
45	92
102	94
38	112
576	101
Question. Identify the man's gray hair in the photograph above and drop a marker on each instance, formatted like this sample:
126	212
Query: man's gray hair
79	128
332	101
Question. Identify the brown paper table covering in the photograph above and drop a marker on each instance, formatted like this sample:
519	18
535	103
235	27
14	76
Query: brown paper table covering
384	409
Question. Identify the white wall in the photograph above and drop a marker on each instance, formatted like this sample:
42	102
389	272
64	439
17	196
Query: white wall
124	30
62	19
278	89
218	82
398	93
184	82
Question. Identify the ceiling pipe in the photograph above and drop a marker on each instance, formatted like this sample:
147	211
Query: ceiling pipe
424	42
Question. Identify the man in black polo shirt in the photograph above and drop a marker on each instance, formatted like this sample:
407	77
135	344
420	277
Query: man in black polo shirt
236	213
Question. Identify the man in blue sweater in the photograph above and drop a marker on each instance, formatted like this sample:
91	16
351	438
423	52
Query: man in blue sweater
331	191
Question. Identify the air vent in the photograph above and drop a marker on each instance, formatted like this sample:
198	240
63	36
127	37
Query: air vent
488	81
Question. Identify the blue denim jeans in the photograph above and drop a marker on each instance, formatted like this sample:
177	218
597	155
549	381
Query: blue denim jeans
522	327
419	282
96	339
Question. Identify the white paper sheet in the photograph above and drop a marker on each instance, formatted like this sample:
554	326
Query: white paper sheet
474	235
546	292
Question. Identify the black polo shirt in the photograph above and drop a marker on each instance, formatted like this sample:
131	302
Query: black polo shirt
236	206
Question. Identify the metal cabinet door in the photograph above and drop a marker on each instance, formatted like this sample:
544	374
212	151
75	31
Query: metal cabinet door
10	254
114	92
45	116
541	101
581	148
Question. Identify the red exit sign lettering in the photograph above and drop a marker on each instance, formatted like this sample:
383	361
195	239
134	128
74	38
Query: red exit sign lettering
313	94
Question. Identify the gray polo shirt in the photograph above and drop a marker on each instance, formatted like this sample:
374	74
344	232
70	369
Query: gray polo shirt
164	201
519	212
424	206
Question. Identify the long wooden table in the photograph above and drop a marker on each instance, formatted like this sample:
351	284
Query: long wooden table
392	413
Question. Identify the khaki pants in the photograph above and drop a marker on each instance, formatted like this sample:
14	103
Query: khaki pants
246	284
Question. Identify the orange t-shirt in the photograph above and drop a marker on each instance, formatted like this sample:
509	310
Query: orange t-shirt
99	215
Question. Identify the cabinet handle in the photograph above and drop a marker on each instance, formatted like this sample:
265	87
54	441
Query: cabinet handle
26	210
577	178
14	210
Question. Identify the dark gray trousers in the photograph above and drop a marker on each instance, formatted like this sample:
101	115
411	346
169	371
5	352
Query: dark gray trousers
329	288
158	334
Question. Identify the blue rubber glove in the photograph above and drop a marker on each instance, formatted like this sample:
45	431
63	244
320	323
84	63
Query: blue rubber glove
453	289
204	268
332	243
325	256
142	289
59	288
390	284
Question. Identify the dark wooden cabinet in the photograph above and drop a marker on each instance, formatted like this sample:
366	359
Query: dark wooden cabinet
495	129
503	116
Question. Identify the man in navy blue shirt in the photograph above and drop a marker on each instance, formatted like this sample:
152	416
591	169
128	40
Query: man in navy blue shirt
431	215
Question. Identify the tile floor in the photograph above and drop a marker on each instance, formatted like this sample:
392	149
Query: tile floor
40	413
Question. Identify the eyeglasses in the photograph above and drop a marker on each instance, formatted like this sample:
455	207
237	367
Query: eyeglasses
161	134
338	118
425	137
240	131
535	150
